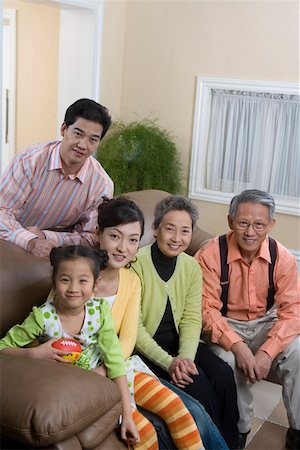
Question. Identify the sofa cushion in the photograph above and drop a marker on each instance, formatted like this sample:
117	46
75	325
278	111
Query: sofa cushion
50	402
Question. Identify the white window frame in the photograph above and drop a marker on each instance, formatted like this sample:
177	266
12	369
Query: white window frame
205	86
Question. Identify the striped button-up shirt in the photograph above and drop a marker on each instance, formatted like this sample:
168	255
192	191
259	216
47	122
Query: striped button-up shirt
35	191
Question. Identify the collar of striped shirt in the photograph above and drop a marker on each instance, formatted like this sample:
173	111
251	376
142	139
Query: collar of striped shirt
55	163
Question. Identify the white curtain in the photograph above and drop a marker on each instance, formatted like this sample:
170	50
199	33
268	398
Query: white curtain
253	142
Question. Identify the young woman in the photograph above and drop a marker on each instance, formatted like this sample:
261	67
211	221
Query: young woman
72	312
170	321
120	227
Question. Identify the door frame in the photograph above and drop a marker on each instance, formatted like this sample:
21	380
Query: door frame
97	7
9	121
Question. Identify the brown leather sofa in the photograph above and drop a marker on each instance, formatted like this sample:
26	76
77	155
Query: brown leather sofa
48	405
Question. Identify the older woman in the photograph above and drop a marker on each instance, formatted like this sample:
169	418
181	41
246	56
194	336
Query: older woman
170	320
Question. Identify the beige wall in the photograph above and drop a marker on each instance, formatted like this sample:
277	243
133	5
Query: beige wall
37	61
168	43
113	56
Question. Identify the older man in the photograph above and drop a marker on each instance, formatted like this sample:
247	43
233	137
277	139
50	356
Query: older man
50	192
251	306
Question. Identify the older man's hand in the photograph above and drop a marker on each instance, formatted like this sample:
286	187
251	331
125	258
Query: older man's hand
246	361
264	362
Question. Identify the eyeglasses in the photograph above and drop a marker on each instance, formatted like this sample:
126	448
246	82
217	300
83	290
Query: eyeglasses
244	225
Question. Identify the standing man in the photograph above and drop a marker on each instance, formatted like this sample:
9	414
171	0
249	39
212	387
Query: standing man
251	316
50	192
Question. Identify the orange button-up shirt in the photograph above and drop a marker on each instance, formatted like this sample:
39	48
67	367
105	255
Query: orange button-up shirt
247	294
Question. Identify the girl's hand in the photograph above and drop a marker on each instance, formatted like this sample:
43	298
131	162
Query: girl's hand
100	370
46	351
129	429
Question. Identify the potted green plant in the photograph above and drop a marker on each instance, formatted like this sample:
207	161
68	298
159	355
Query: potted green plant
140	155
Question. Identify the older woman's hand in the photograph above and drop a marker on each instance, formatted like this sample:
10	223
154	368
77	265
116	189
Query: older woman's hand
190	366
180	371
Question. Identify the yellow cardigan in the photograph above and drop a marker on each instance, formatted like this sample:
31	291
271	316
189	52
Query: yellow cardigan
125	310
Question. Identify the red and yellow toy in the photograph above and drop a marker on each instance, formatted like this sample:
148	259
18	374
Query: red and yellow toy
68	345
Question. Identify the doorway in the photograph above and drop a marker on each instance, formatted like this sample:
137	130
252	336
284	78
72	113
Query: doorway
78	74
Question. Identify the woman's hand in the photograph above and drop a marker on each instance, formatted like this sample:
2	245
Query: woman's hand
46	351
190	366
129	429
181	370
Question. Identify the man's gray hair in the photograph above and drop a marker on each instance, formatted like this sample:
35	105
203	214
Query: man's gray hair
174	203
252	196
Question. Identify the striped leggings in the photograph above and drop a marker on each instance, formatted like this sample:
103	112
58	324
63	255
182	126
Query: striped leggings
157	398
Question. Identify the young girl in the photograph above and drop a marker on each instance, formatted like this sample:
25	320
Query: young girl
120	227
72	312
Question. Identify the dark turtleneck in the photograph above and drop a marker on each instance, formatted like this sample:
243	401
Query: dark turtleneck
166	335
164	265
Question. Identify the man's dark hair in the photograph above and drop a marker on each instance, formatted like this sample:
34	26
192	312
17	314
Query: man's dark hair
90	110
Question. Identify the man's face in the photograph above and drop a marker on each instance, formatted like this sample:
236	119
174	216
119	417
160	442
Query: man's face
250	227
80	140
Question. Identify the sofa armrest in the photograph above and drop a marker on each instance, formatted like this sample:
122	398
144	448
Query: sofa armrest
44	402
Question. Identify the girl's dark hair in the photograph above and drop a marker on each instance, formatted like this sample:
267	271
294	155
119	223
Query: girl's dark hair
98	258
119	211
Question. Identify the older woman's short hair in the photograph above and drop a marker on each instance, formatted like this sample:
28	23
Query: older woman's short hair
174	203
